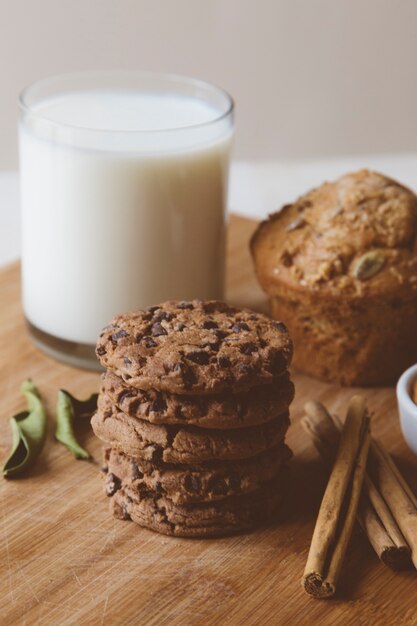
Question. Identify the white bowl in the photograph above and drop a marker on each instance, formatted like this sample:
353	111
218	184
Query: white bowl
407	408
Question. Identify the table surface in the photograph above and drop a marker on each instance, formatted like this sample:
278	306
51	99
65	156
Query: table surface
256	188
65	560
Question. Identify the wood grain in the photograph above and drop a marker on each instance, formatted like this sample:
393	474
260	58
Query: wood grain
64	560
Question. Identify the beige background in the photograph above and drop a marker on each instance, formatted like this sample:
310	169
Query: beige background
310	77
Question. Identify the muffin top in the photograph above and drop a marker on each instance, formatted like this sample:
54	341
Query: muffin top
356	236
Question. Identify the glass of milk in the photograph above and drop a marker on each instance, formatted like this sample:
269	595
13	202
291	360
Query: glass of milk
123	193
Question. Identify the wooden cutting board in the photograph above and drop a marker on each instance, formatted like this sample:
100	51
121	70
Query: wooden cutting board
65	560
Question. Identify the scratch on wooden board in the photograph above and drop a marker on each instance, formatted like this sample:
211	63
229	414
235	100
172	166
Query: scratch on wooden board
40	511
6	544
76	578
70	606
48	609
28	584
109	539
103	615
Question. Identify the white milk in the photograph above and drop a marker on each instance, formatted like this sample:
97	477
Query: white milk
119	220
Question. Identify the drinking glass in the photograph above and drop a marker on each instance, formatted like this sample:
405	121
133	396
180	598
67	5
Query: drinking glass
123	193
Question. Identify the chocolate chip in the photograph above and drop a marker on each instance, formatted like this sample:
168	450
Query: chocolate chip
221	334
113	484
119	335
192	483
187	374
185	305
152	309
158	330
236	328
110	327
180	327
213	345
157	455
219	486
105	469
213	306
127	361
280	362
223	361
136	473
245	368
163	315
149	342
210	324
202	404
234	483
158	405
124	395
101	350
199	357
280	326
124	513
178	412
189	378
248	348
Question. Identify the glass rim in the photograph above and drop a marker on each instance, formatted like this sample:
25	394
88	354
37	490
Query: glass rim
25	107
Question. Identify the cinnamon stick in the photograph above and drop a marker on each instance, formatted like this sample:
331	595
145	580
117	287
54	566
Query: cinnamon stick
388	460
373	515
396	494
396	557
339	505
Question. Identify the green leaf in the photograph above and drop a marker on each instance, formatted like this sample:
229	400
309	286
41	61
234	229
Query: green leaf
28	432
68	409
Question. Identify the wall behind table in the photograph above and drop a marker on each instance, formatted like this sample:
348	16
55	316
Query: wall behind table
310	77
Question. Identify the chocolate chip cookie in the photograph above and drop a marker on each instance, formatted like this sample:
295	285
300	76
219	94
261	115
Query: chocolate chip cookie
195	347
256	406
183	444
185	484
225	517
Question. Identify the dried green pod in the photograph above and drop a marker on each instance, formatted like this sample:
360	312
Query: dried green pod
369	265
68	409
28	433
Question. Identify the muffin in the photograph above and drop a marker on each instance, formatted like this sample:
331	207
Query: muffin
340	268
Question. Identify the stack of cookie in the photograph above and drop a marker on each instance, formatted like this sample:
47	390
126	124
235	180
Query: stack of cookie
194	409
